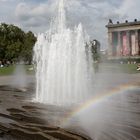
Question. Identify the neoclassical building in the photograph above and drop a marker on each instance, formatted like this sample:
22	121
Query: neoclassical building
123	39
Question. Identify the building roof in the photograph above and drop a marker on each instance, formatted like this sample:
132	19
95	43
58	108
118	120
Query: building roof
112	25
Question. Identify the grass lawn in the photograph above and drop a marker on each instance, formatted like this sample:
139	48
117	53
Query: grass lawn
108	67
129	68
117	68
10	70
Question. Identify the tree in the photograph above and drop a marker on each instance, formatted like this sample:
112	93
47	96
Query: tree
15	44
30	40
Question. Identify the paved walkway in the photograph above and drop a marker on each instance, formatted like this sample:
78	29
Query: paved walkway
112	79
9	80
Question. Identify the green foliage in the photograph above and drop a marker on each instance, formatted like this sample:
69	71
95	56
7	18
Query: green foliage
15	44
28	47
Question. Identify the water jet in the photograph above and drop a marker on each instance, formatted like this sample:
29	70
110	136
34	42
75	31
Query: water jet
63	74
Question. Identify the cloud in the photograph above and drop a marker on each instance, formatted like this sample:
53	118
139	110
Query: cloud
93	14
5	0
129	9
38	15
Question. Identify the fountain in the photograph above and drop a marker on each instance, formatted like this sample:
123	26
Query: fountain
63	70
65	76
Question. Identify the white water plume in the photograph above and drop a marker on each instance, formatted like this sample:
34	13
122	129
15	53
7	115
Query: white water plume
63	70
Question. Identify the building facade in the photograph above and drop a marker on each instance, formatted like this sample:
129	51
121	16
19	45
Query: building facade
123	39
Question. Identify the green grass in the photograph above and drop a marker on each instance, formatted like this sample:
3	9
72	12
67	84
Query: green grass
7	70
10	70
119	68
110	67
129	68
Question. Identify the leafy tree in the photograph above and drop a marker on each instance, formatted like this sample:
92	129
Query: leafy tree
15	43
30	40
13	50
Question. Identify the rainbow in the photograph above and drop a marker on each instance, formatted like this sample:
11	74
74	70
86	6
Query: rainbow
100	98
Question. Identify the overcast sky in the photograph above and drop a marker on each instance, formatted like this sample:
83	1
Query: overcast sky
35	15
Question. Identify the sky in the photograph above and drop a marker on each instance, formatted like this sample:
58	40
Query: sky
36	15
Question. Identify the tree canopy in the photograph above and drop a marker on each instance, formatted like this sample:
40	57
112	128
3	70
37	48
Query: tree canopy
15	44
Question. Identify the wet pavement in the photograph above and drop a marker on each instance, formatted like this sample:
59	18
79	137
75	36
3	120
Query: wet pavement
21	119
118	116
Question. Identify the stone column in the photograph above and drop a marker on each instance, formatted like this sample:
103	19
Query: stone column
124	44
128	42
136	42
133	43
110	45
119	44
